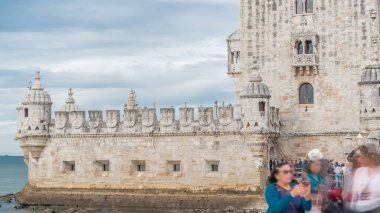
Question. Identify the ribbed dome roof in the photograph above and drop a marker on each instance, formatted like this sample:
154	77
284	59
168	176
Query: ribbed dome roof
371	74
36	94
70	103
256	89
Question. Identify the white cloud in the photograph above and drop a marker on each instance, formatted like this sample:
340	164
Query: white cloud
169	52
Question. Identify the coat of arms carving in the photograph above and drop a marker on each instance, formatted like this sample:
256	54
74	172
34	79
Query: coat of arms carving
77	119
96	117
225	115
113	118
205	116
130	117
167	117
186	116
60	119
148	117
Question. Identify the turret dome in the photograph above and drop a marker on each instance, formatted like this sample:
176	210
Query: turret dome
70	105
36	94
256	88
371	74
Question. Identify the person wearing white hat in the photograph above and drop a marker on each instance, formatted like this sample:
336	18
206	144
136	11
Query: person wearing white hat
315	175
315	155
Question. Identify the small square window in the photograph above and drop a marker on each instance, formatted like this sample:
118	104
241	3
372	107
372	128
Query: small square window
68	166
176	167
214	167
140	167
103	165
173	166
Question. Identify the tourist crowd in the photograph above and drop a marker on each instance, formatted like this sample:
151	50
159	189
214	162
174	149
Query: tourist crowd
317	184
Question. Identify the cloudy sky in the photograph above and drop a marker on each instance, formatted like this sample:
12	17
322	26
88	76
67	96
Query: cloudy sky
170	51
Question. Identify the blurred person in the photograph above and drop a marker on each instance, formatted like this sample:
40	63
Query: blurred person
300	163
292	165
338	175
283	195
364	195
316	173
343	168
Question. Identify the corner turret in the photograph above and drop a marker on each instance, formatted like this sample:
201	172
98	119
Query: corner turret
34	119
255	104
34	112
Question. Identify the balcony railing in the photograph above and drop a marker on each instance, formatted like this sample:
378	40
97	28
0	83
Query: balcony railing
305	64
305	60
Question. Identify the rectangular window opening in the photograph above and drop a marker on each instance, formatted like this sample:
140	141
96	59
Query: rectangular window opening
214	167
176	167
141	167
103	165
26	112
68	166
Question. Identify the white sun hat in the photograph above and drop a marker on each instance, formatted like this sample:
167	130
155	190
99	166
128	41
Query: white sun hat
315	155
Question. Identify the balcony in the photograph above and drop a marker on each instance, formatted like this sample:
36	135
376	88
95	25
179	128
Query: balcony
233	69
305	64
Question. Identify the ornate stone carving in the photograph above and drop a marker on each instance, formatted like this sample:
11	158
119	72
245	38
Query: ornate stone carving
186	116
113	118
225	115
304	36
205	116
253	64
132	100
148	117
305	60
130	117
77	119
167	117
96	117
61	119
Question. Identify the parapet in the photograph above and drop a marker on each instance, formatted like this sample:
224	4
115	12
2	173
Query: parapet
145	120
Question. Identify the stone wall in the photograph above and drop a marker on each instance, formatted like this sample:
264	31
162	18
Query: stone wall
237	157
331	145
343	49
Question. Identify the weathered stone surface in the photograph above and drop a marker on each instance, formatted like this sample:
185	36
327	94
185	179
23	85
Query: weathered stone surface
90	198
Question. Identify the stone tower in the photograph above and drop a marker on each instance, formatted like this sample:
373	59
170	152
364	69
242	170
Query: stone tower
34	120
319	60
34	113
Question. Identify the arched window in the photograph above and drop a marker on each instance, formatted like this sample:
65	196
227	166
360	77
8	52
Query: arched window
309	6
299	48
309	47
299	7
306	94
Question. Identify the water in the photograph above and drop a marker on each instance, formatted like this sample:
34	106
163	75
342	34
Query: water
13	177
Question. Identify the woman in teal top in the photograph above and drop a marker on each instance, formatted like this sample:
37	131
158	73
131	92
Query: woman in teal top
284	196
